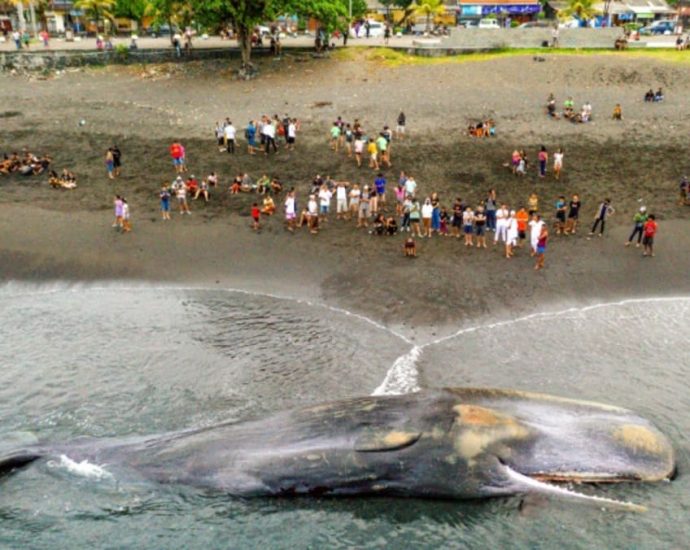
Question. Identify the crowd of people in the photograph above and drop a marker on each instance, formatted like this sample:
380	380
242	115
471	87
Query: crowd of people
262	135
25	164
569	112
356	142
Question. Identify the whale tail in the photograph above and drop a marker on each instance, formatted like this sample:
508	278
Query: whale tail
16	460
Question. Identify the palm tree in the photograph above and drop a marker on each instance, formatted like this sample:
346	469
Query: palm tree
97	9
581	9
428	8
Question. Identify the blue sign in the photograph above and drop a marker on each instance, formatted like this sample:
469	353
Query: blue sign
512	9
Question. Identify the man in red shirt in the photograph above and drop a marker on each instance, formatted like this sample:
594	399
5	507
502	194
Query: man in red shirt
176	152
649	231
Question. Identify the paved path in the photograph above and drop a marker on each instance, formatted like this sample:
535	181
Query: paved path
300	41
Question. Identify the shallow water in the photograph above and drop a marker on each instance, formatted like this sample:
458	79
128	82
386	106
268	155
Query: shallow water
117	361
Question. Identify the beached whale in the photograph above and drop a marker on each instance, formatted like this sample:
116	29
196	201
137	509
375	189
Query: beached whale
445	443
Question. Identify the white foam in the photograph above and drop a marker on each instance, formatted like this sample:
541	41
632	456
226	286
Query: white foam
83	468
402	377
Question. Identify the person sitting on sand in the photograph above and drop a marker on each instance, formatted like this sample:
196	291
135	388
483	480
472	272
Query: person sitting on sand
658	95
202	190
236	185
192	186
568	107
551	106
521	169
410	248
586	114
617	112
68	176
276	186
649	96
379	225
391	226
268	207
263	184
515	160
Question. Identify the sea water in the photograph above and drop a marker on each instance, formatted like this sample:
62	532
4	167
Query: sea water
117	360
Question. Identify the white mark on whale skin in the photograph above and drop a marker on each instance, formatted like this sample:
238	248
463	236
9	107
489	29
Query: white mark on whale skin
82	469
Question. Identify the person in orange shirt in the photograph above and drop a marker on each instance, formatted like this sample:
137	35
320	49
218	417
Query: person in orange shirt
522	218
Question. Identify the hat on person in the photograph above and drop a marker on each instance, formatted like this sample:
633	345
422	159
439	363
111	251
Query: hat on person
643	208
512	212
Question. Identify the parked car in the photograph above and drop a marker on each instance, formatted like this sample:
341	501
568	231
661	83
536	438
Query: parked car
570	24
488	24
663	26
376	29
535	25
161	30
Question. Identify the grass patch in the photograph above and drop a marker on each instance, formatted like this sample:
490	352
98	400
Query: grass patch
394	57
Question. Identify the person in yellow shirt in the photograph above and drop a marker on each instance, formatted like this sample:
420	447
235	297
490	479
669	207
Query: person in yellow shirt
373	151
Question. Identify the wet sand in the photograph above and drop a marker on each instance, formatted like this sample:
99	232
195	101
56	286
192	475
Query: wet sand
66	235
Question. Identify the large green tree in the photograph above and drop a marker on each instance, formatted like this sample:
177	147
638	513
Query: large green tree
582	9
135	10
429	8
98	9
407	6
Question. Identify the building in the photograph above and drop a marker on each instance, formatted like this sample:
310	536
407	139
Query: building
520	11
620	12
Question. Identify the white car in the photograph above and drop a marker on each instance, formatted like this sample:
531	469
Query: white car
376	30
488	24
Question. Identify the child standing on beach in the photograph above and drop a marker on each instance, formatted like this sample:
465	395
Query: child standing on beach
373	155
639	219
255	216
290	212
126	225
480	226
467	225
603	212
118	212
164	196
650	229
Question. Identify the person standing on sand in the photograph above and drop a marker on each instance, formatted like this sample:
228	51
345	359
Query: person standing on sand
250	136
490	210
573	215
522	218
502	215
541	247
181	193
543	159
415	217
229	133
256	216
535	230
511	234
639	219
290	211
362	218
558	163
117	160
480	226
126	225
467	220
164	196
650	229
427	213
400	129
110	163
603	212
372	149
118	212
176	155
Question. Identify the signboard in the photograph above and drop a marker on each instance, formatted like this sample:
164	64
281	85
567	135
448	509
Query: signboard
505	9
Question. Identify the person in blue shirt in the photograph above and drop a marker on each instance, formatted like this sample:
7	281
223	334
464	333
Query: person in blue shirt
250	134
380	184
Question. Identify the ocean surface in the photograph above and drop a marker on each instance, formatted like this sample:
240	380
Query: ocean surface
118	360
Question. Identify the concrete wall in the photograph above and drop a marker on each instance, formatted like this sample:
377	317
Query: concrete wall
45	60
488	39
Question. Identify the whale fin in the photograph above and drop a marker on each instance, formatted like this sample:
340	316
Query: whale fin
16	460
377	441
527	484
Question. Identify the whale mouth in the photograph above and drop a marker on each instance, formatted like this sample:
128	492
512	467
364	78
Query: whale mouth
538	484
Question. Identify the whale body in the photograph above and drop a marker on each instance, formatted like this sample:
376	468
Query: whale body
456	443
